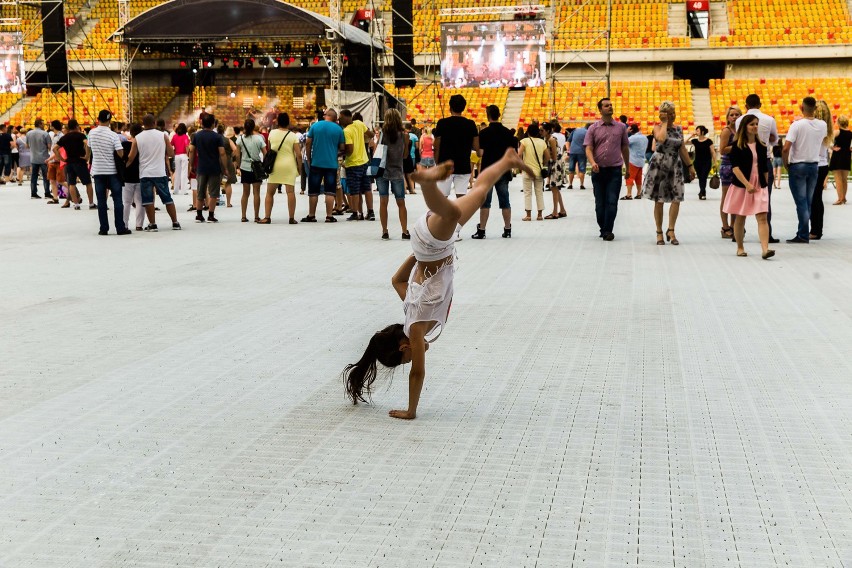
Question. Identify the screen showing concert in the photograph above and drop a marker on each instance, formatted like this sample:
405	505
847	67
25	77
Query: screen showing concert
11	63
493	54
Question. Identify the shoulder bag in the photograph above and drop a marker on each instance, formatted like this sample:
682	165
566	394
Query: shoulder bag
256	165
272	155
379	161
543	171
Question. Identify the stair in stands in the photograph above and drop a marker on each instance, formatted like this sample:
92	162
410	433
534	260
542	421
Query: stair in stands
703	110
177	110
719	18
513	108
677	20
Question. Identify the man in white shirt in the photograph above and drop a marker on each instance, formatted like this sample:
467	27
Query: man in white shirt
153	148
801	157
105	146
767	133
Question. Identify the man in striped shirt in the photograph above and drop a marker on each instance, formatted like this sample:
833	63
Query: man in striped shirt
105	145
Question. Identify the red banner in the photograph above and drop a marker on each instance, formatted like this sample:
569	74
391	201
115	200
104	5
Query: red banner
698	6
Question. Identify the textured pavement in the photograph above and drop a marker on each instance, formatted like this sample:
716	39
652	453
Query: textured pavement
174	399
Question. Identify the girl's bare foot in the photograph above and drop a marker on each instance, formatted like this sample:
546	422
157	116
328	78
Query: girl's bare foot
402	414
439	173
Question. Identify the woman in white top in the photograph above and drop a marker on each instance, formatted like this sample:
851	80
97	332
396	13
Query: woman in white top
250	147
424	283
288	164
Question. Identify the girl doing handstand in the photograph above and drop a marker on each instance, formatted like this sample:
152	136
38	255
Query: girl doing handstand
424	283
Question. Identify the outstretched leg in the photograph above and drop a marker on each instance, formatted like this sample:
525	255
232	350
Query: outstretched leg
447	214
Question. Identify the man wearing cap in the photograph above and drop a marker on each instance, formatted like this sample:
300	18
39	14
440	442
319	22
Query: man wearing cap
105	145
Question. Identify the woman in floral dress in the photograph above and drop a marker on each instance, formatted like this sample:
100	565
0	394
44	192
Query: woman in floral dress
665	178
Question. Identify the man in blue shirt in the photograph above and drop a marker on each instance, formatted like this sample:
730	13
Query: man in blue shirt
577	156
324	141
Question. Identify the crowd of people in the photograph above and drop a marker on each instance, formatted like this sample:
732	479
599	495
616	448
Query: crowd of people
342	160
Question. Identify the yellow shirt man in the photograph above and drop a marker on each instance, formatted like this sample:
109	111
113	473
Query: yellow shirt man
354	135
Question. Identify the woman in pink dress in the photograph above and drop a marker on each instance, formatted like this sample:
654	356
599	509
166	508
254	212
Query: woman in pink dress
749	193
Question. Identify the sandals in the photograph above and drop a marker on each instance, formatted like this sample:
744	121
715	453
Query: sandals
768	254
265	221
727	232
330	220
563	214
626	198
672	237
742	253
551	216
293	221
244	220
527	218
309	219
660	239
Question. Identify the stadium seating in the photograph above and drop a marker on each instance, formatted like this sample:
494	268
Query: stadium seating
785	23
780	98
8	100
428	104
151	100
639	100
87	102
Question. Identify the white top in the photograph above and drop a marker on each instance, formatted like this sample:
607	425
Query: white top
806	136
823	156
103	142
560	141
429	301
767	129
151	145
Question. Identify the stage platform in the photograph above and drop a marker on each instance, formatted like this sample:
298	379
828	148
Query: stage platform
174	399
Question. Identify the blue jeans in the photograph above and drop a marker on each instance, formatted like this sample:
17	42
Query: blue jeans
803	178
322	180
113	183
502	189
36	168
607	186
161	185
385	186
6	164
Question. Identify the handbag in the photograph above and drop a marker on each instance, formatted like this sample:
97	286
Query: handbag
257	169
272	155
379	161
543	171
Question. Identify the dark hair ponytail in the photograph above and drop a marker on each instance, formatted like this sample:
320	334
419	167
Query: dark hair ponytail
383	348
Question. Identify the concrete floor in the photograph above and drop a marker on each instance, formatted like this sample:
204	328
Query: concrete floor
174	399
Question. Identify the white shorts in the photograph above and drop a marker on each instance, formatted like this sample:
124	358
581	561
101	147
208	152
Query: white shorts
457	182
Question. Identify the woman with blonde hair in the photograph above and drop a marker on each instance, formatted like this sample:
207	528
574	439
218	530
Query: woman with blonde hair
822	113
665	178
726	143
749	191
841	158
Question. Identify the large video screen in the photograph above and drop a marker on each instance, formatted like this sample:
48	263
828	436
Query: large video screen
493	54
11	63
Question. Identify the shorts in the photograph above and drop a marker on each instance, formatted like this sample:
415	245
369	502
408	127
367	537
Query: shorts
578	160
357	182
502	189
459	182
247	176
322	180
52	171
777	162
387	185
161	184
427	162
208	186
77	170
635	176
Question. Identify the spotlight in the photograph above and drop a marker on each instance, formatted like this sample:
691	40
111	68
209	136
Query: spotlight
288	61
195	65
238	62
316	60
304	61
226	60
250	63
208	63
233	94
264	61
184	64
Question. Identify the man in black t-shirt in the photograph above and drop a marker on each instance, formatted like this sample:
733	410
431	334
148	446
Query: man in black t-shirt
6	141
76	163
456	137
494	140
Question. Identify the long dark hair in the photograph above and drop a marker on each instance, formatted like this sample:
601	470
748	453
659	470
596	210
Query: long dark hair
358	378
742	131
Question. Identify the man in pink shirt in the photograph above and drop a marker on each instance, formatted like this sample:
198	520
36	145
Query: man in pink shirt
607	150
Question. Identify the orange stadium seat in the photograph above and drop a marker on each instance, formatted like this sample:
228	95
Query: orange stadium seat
428	104
780	98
